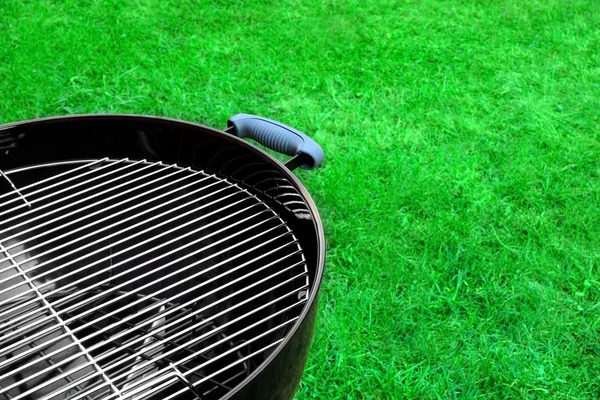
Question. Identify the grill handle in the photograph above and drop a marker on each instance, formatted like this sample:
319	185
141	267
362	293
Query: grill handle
307	154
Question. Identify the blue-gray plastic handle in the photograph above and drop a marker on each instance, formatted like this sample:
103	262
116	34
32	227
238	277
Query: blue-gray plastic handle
279	137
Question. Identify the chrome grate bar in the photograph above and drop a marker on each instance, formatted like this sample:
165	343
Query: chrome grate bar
73	284
157	344
227	367
92	188
104	200
146	211
162	315
182	332
86	267
102	282
136	279
244	344
61	323
86	164
89	225
45	188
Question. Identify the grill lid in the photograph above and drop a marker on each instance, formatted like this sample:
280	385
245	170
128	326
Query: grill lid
130	279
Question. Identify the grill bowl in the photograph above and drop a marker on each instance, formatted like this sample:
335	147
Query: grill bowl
40	149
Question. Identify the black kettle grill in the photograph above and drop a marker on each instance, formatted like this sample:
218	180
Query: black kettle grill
149	258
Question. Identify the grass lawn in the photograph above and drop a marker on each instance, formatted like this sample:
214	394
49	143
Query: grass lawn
461	189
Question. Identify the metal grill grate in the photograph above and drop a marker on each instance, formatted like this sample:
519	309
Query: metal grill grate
130	279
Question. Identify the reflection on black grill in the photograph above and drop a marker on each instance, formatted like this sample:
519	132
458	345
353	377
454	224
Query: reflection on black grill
130	280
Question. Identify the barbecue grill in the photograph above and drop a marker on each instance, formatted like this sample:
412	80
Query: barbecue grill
149	258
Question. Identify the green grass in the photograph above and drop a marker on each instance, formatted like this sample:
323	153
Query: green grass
461	190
